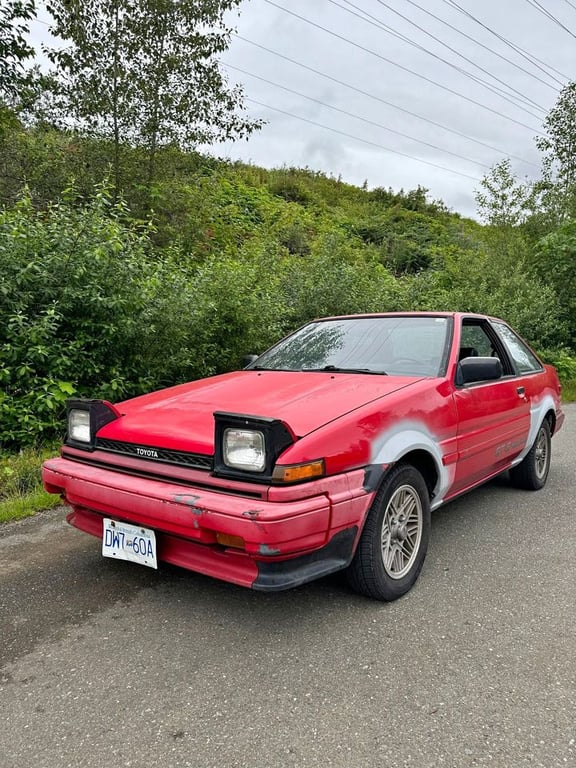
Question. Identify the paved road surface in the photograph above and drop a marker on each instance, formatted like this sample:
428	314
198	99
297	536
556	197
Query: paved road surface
104	663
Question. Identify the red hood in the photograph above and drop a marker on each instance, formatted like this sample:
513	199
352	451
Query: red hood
181	418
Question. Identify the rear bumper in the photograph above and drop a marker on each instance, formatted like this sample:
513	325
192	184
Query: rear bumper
285	542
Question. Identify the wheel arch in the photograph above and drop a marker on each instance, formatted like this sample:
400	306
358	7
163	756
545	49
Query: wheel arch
551	419
412	443
425	463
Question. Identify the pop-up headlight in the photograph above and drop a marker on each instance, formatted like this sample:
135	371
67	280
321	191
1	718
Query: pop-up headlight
244	449
85	418
247	447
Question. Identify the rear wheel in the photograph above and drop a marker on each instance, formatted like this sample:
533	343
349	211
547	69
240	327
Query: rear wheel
532	472
393	544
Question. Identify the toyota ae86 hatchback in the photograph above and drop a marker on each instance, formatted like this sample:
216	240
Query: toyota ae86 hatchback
328	452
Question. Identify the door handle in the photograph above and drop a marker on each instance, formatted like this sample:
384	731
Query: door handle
521	391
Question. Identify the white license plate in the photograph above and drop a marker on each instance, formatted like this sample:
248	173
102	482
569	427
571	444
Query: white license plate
129	542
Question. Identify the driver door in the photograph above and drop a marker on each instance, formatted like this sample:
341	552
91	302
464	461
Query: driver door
493	416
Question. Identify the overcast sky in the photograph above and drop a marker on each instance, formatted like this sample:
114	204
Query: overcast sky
390	110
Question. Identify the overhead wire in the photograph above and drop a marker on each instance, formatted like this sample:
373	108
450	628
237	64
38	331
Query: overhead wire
546	12
403	134
536	62
384	101
373	21
482	45
364	141
403	68
494	89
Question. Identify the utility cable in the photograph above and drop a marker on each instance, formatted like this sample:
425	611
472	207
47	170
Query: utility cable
364	141
529	57
462	56
546	12
482	45
356	117
373	21
383	101
405	69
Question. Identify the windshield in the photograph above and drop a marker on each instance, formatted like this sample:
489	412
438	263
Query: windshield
398	346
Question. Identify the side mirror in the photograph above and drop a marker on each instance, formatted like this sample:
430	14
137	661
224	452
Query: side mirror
248	360
472	369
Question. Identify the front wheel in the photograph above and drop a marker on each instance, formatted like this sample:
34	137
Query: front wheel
532	472
393	544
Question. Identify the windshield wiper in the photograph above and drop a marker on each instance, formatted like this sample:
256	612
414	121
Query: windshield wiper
338	369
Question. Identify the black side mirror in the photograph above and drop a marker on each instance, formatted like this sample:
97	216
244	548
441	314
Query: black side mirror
472	369
248	360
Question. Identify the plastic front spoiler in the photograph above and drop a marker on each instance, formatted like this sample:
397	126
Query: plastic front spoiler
277	575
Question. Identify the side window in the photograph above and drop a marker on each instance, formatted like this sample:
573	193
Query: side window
525	360
474	342
478	339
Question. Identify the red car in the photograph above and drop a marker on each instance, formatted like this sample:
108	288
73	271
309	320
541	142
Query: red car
327	452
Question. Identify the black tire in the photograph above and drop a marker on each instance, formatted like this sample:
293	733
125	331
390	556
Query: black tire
532	472
384	566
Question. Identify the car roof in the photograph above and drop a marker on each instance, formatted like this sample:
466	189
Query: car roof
408	314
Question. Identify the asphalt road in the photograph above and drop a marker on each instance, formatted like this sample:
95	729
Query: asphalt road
104	663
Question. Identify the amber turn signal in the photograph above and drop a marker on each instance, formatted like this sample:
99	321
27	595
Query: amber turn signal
227	540
298	472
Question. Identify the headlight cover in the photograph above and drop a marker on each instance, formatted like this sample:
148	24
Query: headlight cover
247	447
244	449
85	418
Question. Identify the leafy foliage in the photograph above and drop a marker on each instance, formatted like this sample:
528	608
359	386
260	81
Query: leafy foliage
145	74
558	186
14	48
71	298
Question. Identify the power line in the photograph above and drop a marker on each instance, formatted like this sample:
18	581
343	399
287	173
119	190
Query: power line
364	141
529	57
385	27
356	117
383	101
494	89
405	69
486	47
546	12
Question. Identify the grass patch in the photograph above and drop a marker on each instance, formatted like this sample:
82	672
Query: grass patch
569	391
21	491
18	507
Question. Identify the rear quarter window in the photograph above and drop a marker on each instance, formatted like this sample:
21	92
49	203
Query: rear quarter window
523	357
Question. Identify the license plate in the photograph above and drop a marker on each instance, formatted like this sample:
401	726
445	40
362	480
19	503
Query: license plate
129	542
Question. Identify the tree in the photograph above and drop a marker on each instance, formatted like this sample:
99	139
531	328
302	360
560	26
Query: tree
146	73
558	146
554	261
502	200
14	49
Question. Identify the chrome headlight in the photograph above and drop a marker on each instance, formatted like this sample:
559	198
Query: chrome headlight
79	425
244	449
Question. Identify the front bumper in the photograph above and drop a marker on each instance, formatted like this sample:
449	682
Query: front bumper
286	542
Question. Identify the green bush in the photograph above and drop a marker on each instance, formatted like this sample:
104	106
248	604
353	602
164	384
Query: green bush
72	290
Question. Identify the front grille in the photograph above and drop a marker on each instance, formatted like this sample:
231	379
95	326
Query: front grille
161	455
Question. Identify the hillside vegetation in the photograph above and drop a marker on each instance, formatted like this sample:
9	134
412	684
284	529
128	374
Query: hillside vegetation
109	296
